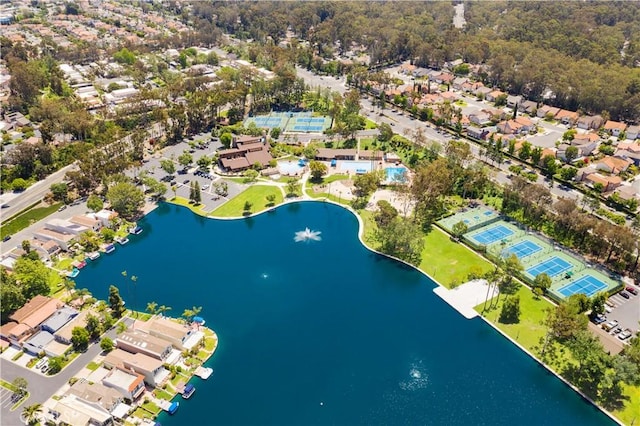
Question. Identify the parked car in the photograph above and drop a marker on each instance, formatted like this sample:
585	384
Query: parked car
632	290
611	324
625	295
617	330
599	319
625	334
186	181
7	238
609	309
62	207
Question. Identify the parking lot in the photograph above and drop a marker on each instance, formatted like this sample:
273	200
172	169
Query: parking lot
7	399
625	311
183	178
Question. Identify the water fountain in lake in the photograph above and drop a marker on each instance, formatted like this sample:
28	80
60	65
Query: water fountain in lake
307	235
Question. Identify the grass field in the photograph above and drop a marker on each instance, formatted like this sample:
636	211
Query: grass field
27	218
631	411
447	262
529	330
184	202
256	195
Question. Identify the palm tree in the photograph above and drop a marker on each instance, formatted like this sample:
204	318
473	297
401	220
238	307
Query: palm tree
31	413
152	308
162	309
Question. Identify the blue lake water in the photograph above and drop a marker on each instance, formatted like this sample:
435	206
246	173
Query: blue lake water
325	332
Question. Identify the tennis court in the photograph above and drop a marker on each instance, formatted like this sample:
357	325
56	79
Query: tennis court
522	249
587	284
491	235
267	121
303	122
474	218
552	266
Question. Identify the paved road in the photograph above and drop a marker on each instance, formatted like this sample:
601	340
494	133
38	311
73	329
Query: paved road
19	201
42	387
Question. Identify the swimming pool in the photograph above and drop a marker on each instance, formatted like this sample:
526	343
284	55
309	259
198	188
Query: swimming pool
289	167
396	174
356	166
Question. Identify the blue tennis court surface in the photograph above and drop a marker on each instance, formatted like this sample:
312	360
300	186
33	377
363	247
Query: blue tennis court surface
523	249
552	267
492	235
588	285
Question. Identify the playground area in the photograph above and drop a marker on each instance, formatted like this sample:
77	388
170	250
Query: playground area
291	122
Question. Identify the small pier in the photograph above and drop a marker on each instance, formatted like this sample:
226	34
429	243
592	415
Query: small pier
203	372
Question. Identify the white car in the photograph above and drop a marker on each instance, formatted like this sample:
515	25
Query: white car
625	334
608	308
205	187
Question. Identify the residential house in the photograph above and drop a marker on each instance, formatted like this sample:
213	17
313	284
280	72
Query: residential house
129	384
36	343
493	95
633	132
106	217
483	91
614	127
529	107
513	101
480	119
58	320
567	117
65	226
459	82
63	334
547	111
627	192
629	151
181	336
477	132
592	178
139	342
520	125
328	154
151	368
392	157
71	410
96	394
613	165
88	222
35	311
585	142
63	240
590	122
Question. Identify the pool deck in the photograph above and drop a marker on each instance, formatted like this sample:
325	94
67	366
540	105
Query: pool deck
464	297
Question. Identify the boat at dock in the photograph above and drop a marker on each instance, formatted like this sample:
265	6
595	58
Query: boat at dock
121	241
94	255
74	273
188	391
110	248
173	407
136	230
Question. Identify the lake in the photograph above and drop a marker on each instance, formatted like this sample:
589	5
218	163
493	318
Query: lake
325	332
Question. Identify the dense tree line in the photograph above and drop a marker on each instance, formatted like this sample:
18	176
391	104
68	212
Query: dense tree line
578	55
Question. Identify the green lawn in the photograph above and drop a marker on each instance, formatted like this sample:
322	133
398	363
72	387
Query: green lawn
529	330
445	261
163	394
184	202
631	412
27	218
370	124
256	195
449	262
93	366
